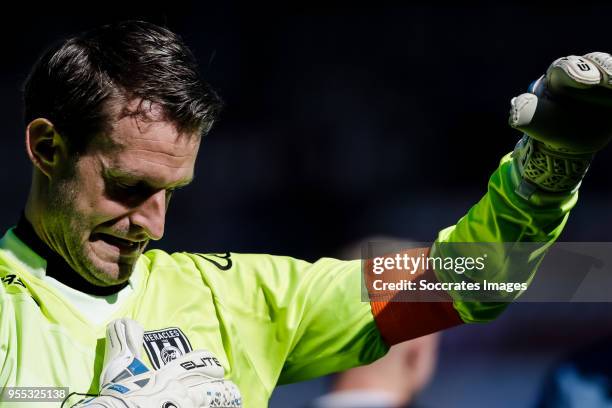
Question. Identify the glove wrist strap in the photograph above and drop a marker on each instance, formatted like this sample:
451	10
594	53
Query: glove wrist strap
540	168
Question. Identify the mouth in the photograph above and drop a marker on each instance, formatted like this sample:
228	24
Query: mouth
125	246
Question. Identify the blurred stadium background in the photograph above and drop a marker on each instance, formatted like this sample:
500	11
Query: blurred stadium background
347	122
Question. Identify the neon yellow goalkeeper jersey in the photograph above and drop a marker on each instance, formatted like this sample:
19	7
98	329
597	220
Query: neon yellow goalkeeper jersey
268	319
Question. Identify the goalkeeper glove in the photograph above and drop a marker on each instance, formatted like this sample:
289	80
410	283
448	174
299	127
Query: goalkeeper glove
192	381
565	118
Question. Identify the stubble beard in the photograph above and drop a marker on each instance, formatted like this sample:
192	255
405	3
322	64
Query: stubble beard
69	232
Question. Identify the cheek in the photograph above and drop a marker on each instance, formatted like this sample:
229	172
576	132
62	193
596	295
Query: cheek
91	201
102	210
99	209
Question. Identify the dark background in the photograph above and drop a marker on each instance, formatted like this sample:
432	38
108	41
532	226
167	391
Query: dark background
346	122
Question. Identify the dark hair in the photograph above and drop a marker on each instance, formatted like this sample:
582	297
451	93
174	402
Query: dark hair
74	83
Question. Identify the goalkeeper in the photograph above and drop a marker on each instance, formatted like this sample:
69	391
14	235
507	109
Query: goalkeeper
114	118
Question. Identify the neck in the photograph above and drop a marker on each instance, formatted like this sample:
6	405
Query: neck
57	267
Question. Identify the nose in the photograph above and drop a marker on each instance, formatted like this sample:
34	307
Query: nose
151	215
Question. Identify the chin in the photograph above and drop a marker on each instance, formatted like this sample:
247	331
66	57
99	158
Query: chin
108	269
109	273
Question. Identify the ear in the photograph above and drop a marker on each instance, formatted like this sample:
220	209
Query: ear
46	148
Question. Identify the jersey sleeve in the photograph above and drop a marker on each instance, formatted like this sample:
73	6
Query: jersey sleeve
337	330
297	320
503	217
500	218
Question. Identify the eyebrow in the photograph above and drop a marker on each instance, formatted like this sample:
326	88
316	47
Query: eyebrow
117	173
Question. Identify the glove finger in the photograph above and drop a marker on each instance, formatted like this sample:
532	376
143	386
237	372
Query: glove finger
522	110
222	394
580	80
603	61
133	333
572	72
557	125
123	336
123	340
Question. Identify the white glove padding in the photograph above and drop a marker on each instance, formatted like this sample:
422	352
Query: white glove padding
569	108
192	381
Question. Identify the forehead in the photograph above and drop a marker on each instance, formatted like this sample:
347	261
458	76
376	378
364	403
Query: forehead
154	150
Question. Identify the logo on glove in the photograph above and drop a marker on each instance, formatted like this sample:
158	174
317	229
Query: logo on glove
165	345
170	353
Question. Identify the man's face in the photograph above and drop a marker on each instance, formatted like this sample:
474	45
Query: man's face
103	214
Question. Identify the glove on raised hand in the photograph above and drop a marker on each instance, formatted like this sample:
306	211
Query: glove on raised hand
566	117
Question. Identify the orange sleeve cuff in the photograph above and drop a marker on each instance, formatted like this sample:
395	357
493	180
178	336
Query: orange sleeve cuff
400	319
